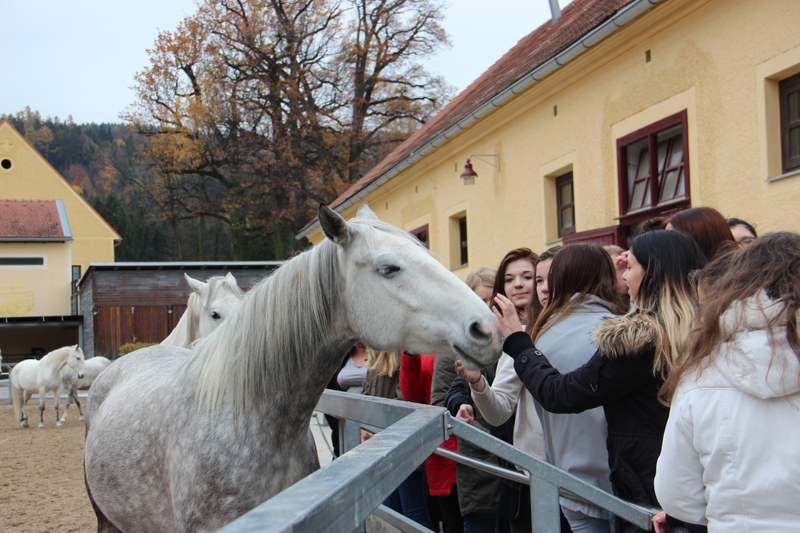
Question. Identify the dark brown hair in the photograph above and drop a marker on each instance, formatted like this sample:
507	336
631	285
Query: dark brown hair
707	227
771	264
582	269
532	311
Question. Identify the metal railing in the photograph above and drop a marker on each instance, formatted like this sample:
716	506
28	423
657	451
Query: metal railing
340	496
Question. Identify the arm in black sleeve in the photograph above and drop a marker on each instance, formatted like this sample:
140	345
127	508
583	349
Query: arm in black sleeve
601	380
458	395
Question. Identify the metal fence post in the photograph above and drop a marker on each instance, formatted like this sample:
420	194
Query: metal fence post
545	509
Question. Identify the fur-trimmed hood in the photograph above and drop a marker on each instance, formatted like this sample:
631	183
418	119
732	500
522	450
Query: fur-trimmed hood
627	336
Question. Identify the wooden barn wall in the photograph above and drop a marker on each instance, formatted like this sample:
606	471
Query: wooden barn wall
161	287
134	305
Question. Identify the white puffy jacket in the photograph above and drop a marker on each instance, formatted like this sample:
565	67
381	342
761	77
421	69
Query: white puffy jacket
731	451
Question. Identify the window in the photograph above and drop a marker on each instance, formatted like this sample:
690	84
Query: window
76	272
462	236
565	200
421	233
790	123
22	261
653	170
458	240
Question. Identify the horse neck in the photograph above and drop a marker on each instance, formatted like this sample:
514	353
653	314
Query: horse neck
179	335
55	360
277	350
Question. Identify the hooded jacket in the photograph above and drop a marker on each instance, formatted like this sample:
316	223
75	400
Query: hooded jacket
619	377
731	453
576	442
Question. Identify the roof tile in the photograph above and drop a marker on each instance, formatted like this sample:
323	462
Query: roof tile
31	219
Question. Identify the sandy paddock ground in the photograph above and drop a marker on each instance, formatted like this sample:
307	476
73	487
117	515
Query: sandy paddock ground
41	474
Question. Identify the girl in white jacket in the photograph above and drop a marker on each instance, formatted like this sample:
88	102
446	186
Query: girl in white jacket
731	451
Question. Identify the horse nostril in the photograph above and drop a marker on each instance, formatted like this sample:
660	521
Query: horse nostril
478	332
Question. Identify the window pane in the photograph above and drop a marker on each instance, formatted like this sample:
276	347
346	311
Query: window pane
794	142
668	189
681	190
567	217
677	150
566	194
638	163
638	194
793	101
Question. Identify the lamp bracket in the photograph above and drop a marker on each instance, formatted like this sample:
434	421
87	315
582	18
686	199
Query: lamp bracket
495	164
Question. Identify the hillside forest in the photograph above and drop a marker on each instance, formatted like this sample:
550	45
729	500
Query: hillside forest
247	117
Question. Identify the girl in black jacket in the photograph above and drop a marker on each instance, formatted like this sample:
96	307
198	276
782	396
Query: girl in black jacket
635	353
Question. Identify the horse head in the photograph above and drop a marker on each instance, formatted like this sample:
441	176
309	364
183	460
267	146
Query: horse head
396	296
75	360
213	302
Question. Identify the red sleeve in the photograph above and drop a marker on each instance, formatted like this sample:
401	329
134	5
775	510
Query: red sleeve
411	378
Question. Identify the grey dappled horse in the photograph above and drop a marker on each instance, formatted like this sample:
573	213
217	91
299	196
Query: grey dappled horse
233	429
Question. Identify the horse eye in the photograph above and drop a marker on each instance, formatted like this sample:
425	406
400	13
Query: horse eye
388	270
215	315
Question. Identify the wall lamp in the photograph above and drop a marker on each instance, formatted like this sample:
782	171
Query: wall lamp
469	174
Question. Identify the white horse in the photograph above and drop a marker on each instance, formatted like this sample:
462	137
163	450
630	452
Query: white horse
42	376
232	429
209	304
71	384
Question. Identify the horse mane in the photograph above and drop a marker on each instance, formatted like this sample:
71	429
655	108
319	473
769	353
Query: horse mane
266	342
56	356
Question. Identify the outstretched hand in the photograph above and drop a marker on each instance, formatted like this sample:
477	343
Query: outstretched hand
506	313
473	376
466	413
660	523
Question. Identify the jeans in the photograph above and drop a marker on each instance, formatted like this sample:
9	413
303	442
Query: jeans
409	499
586	524
480	523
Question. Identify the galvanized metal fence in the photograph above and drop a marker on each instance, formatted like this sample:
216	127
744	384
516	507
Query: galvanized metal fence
340	496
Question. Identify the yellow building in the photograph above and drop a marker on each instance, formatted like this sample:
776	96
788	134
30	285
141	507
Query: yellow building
619	111
48	236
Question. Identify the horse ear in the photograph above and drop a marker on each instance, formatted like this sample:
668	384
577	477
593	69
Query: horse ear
197	286
365	212
333	225
230	278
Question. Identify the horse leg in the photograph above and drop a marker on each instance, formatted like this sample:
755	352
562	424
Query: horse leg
57	394
42	392
74	397
25	397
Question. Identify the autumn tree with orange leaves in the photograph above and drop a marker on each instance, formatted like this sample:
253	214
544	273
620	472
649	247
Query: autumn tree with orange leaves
255	111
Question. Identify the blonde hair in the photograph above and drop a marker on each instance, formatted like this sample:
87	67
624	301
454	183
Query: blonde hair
613	250
481	276
383	363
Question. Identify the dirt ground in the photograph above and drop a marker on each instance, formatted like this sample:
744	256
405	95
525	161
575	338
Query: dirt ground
41	474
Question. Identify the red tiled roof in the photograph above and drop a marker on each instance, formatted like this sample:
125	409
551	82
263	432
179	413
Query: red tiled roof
578	18
30	219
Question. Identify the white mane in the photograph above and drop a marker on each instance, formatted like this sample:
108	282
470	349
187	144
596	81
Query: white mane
280	323
56	357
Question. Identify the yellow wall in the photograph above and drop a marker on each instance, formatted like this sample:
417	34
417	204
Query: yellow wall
720	60
36	290
32	178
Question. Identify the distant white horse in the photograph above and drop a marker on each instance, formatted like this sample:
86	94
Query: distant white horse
71	384
232	426
43	376
209	304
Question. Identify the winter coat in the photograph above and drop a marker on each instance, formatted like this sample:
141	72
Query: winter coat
620	378
575	443
477	490
416	374
731	453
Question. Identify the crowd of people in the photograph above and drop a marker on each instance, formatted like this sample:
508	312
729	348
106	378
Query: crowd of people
667	374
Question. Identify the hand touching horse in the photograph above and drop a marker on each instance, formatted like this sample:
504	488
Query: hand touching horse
232	429
42	376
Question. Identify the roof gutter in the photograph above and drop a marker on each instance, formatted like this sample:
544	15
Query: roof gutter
623	17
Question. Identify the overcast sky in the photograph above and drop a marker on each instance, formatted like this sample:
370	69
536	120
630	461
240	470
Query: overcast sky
79	58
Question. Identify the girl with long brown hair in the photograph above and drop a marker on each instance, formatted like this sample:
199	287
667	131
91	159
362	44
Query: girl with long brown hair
707	227
730	456
632	355
582	291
